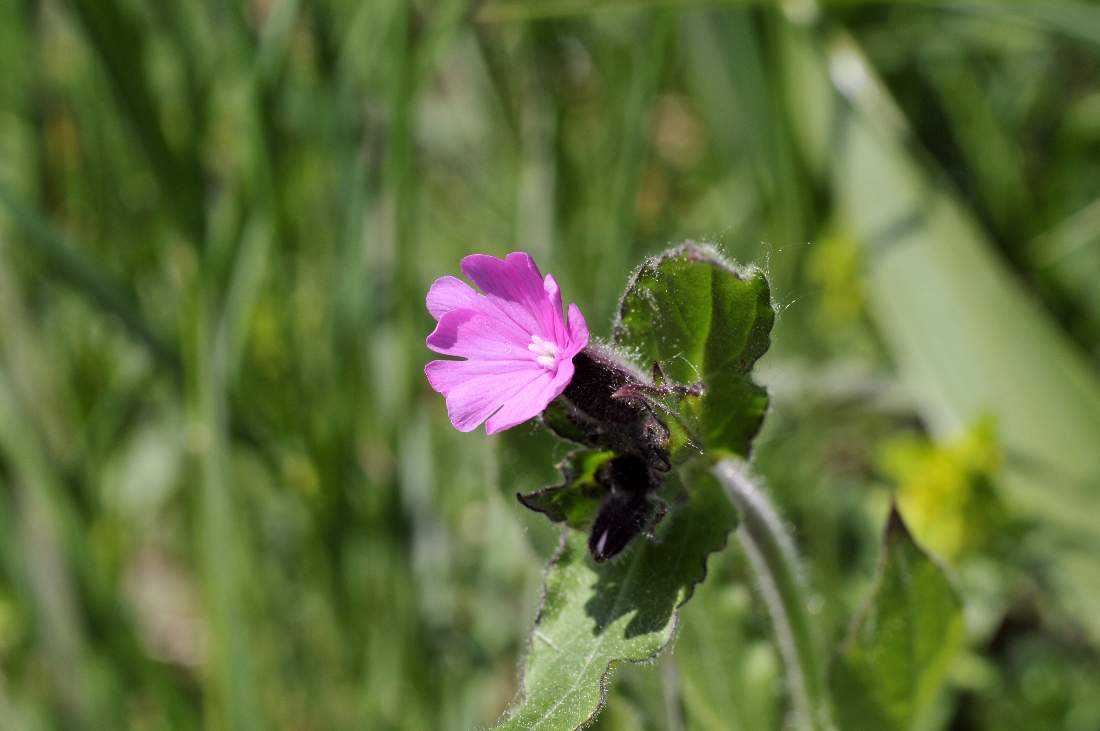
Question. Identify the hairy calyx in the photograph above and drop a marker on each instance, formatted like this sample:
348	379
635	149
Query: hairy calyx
608	405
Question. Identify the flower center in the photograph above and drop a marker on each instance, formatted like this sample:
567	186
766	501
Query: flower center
545	351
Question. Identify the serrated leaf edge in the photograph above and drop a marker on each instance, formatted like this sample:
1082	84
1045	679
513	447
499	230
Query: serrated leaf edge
694	251
605	676
566	473
708	253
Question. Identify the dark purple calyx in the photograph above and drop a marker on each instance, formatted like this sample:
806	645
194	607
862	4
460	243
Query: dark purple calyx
608	406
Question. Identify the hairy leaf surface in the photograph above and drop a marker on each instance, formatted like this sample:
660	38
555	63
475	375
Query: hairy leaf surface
701	319
596	615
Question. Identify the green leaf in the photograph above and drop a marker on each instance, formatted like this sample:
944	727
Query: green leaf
700	318
901	648
576	500
596	615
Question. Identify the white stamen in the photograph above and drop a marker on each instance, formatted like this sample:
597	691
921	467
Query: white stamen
545	351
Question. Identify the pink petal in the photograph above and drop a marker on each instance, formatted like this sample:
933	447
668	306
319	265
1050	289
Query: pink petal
516	287
480	336
472	402
553	295
578	331
451	293
531	401
446	375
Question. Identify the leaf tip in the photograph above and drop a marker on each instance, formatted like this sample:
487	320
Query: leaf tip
895	526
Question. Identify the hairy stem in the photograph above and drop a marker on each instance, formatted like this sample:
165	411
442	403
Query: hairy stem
670	692
775	563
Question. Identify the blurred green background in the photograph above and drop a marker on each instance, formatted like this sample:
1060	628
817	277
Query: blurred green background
228	498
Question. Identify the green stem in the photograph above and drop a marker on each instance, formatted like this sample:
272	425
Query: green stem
775	563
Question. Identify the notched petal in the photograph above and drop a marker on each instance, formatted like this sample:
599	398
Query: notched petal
515	286
450	293
470	403
578	329
556	317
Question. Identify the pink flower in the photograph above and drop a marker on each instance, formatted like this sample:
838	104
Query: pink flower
518	348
